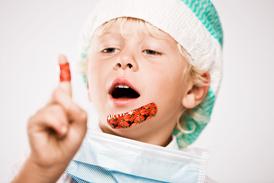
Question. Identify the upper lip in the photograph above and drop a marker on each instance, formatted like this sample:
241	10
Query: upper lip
121	81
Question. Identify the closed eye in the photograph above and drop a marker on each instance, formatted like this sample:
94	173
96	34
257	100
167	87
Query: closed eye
152	52
108	50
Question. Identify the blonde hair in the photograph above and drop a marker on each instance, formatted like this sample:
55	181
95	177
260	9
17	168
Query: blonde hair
191	73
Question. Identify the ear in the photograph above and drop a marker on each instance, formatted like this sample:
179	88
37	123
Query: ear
196	94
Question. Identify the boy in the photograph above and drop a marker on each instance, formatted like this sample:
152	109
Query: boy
152	69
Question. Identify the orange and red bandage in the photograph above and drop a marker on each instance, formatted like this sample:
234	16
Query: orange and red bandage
65	72
133	117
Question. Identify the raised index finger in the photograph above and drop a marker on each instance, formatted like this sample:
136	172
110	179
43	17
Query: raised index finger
65	75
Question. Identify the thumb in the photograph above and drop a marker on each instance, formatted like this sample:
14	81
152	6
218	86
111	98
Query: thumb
65	75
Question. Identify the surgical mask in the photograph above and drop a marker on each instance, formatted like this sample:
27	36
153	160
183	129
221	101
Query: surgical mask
108	158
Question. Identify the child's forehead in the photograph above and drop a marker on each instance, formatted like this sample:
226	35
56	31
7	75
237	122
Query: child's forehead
130	27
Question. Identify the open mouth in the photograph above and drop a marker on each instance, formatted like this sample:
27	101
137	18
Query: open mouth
123	93
123	90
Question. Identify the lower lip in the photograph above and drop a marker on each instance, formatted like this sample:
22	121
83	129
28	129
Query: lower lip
122	101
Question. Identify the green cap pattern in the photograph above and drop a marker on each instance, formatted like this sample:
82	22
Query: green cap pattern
207	14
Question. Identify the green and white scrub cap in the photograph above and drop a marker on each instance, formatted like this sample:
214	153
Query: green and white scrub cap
192	23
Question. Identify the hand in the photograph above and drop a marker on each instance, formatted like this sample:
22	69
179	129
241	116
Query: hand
56	132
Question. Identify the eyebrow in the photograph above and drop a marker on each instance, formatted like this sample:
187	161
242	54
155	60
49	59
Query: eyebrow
101	36
120	35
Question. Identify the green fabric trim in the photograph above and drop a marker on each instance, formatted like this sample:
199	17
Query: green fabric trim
194	126
207	14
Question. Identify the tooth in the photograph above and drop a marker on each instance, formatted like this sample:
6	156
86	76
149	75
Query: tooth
122	86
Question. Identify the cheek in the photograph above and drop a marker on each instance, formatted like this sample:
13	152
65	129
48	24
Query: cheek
96	74
167	78
96	69
166	84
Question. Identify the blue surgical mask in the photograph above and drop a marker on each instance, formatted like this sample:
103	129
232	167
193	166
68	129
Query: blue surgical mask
108	158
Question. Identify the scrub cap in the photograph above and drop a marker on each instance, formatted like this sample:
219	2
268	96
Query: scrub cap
194	24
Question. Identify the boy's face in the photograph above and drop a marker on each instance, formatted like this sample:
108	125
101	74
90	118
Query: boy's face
151	65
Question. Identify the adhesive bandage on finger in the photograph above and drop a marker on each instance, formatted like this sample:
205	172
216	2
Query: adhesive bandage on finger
64	72
132	118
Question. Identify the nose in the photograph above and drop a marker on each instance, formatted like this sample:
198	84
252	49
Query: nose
119	65
126	62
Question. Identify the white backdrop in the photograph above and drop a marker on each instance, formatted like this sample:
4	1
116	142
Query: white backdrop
240	135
